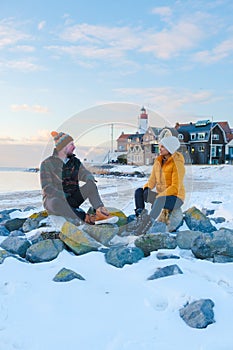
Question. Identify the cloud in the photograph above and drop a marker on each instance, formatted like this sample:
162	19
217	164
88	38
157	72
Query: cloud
166	99
40	137
41	25
27	108
6	139
23	48
171	42
221	51
9	34
118	43
164	11
21	65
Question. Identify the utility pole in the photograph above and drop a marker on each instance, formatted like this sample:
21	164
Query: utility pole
211	140
112	138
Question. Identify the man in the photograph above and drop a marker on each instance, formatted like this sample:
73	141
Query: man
60	176
166	180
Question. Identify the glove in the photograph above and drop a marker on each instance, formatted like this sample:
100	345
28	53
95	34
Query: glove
90	177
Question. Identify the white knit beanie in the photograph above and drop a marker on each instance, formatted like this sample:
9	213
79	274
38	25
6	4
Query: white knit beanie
171	143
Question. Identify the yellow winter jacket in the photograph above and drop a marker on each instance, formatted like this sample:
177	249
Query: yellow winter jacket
168	178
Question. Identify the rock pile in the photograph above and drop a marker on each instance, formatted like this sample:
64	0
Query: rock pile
41	238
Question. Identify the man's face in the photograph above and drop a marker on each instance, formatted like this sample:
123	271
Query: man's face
69	149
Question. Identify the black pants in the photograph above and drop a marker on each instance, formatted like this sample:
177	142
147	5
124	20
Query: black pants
158	203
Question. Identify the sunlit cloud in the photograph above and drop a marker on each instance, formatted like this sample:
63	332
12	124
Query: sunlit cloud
41	136
27	108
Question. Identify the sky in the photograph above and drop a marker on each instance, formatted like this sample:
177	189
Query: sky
118	308
61	58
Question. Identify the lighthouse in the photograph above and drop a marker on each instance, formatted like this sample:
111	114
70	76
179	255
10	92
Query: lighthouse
143	121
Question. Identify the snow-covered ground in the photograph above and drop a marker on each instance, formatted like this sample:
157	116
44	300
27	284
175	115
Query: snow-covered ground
119	309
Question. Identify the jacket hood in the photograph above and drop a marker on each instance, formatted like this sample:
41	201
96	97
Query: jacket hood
178	157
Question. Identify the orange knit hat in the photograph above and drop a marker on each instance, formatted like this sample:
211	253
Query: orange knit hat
61	139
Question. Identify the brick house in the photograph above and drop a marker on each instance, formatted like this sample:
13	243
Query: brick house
122	142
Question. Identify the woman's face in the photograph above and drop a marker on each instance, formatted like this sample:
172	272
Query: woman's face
163	151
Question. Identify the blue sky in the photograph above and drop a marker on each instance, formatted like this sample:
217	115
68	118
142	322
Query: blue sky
58	58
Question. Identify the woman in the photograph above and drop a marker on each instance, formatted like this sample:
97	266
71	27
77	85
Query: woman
165	187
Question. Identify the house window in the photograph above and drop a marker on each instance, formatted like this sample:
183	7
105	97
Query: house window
201	136
154	149
231	152
213	151
193	136
180	136
201	149
215	137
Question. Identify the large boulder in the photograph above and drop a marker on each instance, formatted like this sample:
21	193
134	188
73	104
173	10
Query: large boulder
152	242
172	218
77	240
34	220
198	314
186	238
16	245
120	256
43	251
102	233
217	243
14	224
197	221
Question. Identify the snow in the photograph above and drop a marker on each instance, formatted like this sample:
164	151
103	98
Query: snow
119	309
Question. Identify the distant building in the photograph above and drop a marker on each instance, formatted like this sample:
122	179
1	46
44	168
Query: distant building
229	152
204	140
143	121
135	154
122	142
150	143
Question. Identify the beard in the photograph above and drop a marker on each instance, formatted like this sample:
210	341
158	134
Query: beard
69	155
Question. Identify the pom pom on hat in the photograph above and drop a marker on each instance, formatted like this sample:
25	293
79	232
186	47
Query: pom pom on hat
61	139
54	133
171	143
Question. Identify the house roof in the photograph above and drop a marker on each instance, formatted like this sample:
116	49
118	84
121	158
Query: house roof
200	126
123	137
226	127
156	130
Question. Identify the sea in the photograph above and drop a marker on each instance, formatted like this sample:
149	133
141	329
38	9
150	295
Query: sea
20	189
